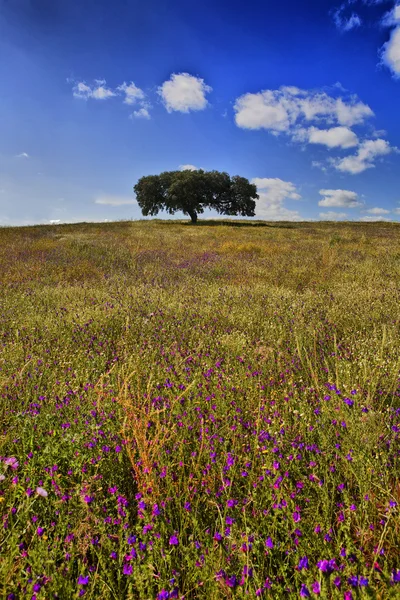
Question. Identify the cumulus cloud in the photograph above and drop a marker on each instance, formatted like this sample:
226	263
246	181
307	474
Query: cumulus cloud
364	159
289	108
188	168
391	52
339	199
141	113
313	117
392	17
272	193
184	92
336	137
263	110
132	92
378	211
115	200
98	91
331	215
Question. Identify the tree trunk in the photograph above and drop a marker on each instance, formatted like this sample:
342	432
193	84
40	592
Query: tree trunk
193	215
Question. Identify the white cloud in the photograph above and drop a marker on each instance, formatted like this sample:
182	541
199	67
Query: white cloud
22	155
330	215
141	113
81	90
364	159
339	198
302	114
316	164
115	200
184	92
391	18
396	211
391	52
55	221
378	211
272	193
132	93
99	91
188	168
289	109
262	111
346	23
352	112
102	93
336	137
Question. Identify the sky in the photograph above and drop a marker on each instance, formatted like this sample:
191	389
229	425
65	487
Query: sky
301	97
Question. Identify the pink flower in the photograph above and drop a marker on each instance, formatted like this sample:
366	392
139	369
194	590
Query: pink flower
12	462
41	492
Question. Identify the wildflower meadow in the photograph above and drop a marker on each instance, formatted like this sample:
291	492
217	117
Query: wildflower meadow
207	411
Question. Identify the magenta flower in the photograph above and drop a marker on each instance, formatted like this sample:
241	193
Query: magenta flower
40	531
82	580
316	588
173	540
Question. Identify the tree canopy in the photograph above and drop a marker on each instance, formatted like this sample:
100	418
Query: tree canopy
193	191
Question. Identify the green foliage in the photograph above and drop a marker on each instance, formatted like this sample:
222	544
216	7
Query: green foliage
192	191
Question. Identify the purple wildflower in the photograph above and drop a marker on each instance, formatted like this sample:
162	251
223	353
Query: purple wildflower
316	588
303	563
304	592
396	576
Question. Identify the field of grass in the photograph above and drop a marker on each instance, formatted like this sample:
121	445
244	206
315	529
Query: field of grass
207	411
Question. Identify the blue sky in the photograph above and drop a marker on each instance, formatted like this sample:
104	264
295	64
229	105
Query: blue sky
302	97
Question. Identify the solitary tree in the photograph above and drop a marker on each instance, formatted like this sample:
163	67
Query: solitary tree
193	191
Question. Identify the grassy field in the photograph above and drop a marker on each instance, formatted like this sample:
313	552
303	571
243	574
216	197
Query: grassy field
207	411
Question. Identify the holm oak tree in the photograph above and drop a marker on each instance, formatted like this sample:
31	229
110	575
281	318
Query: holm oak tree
192	191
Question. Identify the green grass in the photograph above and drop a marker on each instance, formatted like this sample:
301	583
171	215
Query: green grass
234	385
